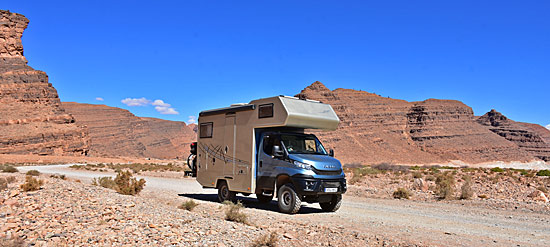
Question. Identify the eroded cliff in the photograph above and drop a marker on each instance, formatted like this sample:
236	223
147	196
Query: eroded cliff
31	118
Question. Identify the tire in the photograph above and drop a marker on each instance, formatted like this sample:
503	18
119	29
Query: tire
333	205
264	199
224	194
289	201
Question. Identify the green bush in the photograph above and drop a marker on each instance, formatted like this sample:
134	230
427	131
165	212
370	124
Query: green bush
105	182
33	173
9	169
497	169
445	184
233	212
189	205
543	173
31	184
401	193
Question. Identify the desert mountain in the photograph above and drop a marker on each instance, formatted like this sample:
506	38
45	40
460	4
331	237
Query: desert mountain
32	120
532	138
375	129
116	132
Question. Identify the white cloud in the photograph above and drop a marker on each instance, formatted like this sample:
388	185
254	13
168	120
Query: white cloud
136	102
192	120
548	126
99	99
161	106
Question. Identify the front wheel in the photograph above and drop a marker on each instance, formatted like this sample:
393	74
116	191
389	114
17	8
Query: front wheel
289	201
333	205
224	194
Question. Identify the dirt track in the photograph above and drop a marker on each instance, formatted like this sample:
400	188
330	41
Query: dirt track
425	223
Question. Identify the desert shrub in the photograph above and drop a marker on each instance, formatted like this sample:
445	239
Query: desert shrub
127	185
355	179
62	176
76	167
31	184
497	169
188	205
430	178
9	169
11	179
445	184
267	240
105	182
401	193
366	171
390	167
233	212
466	191
417	175
33	173
3	184
543	173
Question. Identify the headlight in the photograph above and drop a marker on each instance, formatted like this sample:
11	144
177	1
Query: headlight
302	165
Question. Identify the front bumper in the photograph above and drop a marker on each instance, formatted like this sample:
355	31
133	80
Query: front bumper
318	186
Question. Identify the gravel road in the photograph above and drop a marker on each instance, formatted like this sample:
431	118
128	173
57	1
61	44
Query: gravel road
426	223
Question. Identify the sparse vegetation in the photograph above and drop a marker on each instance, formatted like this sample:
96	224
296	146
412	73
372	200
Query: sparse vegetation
135	167
188	205
497	169
9	169
466	189
543	173
123	183
401	193
62	176
233	212
33	173
445	184
417	174
31	184
267	240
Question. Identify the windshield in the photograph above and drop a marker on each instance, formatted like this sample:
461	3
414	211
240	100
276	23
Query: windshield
302	144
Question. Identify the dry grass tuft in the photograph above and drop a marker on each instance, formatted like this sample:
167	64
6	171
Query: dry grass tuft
233	212
31	184
267	240
123	183
466	189
401	193
34	173
189	205
445	185
9	169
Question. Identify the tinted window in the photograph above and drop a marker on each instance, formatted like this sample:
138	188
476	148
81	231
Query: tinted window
205	130
265	111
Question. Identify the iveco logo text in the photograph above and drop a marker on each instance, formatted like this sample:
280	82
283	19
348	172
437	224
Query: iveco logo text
330	166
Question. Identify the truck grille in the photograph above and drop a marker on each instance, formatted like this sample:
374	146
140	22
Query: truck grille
327	172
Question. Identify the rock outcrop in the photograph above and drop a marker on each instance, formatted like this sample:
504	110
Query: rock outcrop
375	129
32	120
531	138
116	132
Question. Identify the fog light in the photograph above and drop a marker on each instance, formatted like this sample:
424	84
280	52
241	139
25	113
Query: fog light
309	185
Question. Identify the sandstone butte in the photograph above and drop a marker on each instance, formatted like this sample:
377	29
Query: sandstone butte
116	132
375	129
32	120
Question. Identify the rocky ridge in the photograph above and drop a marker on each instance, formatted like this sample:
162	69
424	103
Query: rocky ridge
375	129
116	132
531	138
32	120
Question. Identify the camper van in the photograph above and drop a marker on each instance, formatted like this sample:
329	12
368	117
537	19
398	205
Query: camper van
261	148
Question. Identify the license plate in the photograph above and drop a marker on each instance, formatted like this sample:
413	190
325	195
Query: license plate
331	189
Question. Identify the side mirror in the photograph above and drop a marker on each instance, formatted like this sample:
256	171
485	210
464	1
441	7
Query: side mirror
277	152
331	152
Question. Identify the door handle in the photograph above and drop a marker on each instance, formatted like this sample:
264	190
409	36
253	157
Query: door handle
260	163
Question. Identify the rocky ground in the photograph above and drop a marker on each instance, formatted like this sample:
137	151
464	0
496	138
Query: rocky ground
68	213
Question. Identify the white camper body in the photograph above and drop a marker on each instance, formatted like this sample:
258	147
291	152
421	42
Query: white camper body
227	139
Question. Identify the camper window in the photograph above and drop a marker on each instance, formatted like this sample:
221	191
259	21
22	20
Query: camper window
265	111
205	130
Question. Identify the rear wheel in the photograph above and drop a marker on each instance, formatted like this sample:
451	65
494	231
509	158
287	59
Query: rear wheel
289	201
224	194
333	205
263	198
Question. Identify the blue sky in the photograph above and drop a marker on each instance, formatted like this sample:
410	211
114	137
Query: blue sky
186	56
